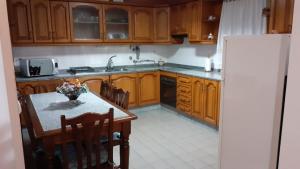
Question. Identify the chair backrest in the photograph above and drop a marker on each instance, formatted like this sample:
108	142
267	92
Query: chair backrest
107	91
104	88
86	130
121	98
27	119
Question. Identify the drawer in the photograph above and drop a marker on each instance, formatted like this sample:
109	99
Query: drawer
184	89
184	80
184	100
184	108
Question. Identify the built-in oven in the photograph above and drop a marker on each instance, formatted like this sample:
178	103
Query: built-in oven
168	91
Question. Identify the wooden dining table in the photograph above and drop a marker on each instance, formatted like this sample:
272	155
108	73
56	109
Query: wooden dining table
46	109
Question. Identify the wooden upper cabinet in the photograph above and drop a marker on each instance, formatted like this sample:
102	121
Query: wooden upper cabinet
142	24
195	16
211	102
281	16
86	22
41	20
149	88
162	24
198	98
127	82
94	83
179	19
117	23
60	21
20	21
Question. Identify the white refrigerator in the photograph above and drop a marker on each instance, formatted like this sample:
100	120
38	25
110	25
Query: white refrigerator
254	70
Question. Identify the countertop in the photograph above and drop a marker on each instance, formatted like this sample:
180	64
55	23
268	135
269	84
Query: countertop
184	70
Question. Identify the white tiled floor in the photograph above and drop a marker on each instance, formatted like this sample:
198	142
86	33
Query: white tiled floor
163	139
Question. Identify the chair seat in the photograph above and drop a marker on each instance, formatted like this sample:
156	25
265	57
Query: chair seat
71	150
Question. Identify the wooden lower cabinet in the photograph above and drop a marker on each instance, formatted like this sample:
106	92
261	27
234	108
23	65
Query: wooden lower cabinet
94	82
211	102
149	88
127	82
206	100
35	87
198	98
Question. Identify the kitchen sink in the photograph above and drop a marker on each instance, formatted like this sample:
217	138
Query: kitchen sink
116	70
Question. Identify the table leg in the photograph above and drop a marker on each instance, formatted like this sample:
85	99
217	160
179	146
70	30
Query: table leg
49	147
124	147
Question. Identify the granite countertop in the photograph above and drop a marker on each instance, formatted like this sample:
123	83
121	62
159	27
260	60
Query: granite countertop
180	69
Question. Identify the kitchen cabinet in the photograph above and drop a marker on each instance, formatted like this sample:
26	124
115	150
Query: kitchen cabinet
206	100
117	23
281	16
94	82
60	21
179	19
41	21
162	24
198	98
149	88
20	21
211	102
142	24
204	19
184	94
127	82
195	20
86	22
35	87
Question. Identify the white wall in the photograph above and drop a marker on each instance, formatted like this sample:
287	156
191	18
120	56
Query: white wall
290	147
96	56
11	152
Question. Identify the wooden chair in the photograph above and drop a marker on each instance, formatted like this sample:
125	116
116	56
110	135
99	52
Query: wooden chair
86	130
104	88
121	98
28	123
107	91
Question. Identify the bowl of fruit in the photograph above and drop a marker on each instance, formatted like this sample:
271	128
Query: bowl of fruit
72	89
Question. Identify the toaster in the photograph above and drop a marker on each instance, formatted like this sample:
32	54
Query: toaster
38	67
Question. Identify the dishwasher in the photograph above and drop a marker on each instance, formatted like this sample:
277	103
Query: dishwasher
168	91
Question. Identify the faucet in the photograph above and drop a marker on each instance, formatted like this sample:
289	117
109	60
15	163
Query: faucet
110	62
141	61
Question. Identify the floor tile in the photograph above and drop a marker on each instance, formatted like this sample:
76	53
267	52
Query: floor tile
164	139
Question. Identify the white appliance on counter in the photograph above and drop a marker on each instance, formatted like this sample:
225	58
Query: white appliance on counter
254	71
38	67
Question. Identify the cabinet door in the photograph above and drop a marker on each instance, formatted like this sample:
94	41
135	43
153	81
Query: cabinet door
117	23
184	24
41	19
60	21
195	16
179	19
149	88
20	21
162	24
175	20
211	105
127	82
142	24
35	87
198	98
86	22
281	16
94	83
